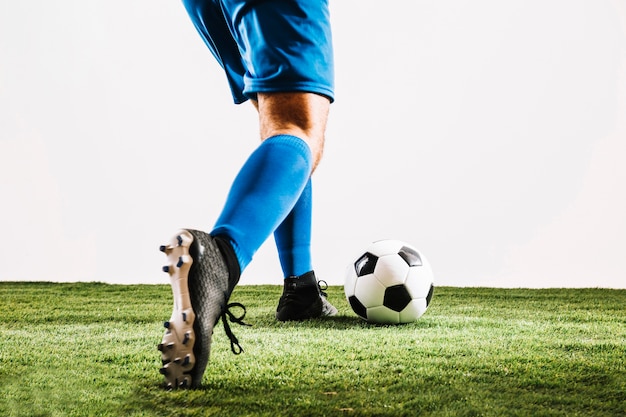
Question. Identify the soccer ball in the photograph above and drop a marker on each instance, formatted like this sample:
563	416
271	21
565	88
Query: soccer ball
390	283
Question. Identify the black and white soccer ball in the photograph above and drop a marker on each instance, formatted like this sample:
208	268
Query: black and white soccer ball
390	283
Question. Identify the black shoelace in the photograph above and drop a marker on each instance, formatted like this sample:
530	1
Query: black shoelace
227	316
323	286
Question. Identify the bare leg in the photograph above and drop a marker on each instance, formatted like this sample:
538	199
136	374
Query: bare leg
299	114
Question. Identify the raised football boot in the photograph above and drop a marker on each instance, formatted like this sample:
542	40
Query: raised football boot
304	298
202	281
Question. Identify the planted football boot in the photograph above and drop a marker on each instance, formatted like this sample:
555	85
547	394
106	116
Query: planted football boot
202	281
304	298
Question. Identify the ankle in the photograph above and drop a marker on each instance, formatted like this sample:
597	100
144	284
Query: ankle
301	281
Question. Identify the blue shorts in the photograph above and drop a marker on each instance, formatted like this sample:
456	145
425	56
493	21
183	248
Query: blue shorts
268	45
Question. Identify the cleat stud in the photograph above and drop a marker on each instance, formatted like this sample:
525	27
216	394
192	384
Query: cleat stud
160	347
180	262
177	361
170	345
166	268
185	317
169	386
183	384
163	371
186	361
166	324
186	338
180	240
162	248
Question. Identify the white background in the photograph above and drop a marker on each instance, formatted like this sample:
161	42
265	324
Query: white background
491	135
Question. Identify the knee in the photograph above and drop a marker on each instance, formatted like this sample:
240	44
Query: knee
299	114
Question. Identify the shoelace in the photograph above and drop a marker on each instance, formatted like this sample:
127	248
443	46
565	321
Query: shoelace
228	315
323	286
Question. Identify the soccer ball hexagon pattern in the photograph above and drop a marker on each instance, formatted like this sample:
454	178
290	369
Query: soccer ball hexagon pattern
390	283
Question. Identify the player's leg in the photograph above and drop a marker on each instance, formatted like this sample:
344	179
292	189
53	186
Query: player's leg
304	115
273	177
302	296
270	183
293	237
269	187
300	114
302	66
262	195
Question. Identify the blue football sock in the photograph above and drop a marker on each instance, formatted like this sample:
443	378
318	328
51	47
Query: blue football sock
293	237
263	193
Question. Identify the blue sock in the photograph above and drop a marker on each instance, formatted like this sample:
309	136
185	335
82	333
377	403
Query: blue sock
263	193
293	236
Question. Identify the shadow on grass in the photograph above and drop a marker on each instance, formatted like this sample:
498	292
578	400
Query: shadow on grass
334	322
235	396
338	322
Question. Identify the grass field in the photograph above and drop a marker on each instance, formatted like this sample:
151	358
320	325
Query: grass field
90	350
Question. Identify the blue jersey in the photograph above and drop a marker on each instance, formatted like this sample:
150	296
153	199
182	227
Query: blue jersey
268	45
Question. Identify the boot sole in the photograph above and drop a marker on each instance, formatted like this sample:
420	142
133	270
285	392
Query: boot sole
177	346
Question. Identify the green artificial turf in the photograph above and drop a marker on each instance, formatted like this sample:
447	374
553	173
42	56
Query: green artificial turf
90	350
